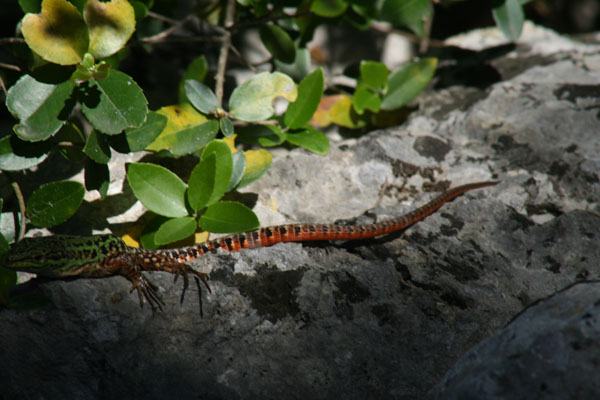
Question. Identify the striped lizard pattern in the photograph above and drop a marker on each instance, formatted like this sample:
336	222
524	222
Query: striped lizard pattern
63	256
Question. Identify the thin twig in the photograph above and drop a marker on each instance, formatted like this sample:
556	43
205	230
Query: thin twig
224	51
162	18
409	36
10	66
425	42
3	87
181	39
244	123
260	21
11	40
235	51
21	202
167	32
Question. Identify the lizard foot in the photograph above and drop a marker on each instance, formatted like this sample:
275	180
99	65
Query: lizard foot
145	289
183	269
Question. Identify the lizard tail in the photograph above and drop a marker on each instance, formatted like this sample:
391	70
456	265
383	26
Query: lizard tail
271	235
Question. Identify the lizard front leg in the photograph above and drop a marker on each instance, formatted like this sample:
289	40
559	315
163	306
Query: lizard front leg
171	261
144	287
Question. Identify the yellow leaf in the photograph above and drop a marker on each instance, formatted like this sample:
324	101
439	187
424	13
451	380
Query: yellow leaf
58	34
321	117
132	237
231	143
111	25
180	117
201	237
130	241
257	163
337	110
341	113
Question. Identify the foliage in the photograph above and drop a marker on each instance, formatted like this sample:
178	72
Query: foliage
71	97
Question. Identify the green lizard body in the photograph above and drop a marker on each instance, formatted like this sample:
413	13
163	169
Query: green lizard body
106	255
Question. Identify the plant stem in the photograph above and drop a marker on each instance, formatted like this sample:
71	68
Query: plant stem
224	51
21	202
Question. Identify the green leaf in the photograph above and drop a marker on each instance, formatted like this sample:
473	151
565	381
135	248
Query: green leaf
201	96
373	74
228	217
226	127
278	42
239	166
59	34
407	82
97	148
329	8
149	233
223	167
79	4
310	92
30	6
159	190
174	230
140	9
87	69
114	103
83	71
97	177
509	17
252	100
311	139
202	182
8	226
139	138
74	138
41	108
364	98
257	163
263	135
197	71
192	139
407	13
111	24
11	161
299	68
53	203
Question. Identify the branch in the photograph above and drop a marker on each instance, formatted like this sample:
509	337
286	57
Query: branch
11	40
411	37
261	21
163	18
10	66
21	202
224	51
167	32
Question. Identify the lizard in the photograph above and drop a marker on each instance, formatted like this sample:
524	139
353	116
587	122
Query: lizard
97	256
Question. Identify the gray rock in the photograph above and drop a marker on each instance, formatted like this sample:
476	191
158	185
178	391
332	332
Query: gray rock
549	351
382	318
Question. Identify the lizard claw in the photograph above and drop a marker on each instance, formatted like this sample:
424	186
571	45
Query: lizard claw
145	289
183	269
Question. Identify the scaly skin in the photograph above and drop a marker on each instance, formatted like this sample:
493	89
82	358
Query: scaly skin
99	256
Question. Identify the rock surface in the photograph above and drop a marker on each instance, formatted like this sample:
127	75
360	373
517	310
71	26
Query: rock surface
550	349
383	318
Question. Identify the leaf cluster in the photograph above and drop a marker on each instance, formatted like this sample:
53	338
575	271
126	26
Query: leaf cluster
71	98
